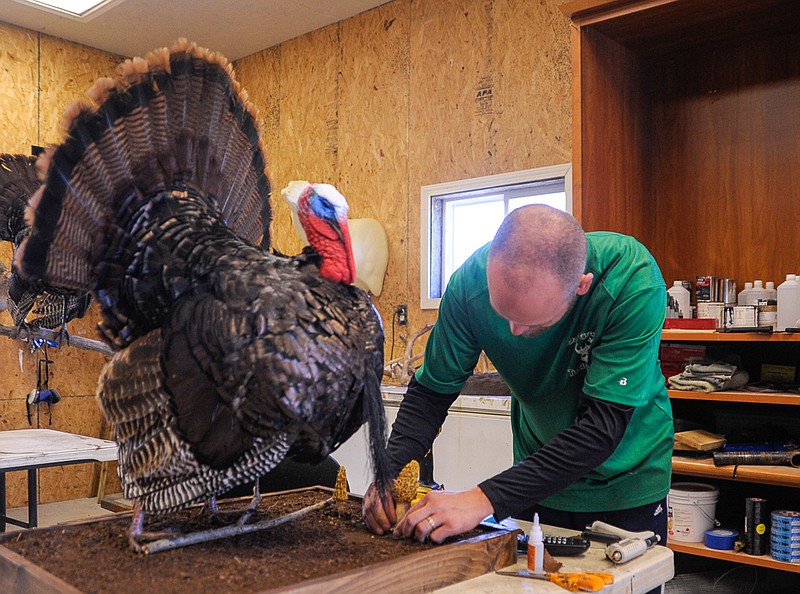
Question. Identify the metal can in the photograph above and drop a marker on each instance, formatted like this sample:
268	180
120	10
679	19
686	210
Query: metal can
705	288
726	291
768	313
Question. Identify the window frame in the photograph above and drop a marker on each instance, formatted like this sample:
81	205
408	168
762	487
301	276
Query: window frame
439	192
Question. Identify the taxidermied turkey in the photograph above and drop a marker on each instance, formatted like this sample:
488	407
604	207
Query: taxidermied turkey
51	306
230	358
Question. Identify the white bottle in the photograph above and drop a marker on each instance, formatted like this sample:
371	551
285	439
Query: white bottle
741	299
772	292
536	548
788	303
681	295
757	292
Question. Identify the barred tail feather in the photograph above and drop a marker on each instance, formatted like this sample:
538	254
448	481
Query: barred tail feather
18	182
128	142
157	466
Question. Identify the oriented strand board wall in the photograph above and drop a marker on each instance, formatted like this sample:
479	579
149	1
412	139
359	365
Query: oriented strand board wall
411	93
63	70
19	99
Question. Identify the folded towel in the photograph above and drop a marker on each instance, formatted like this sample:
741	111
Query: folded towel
709	377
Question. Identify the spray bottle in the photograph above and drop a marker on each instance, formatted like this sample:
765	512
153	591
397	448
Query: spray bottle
536	548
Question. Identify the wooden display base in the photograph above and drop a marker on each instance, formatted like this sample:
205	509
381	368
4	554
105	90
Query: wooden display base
320	563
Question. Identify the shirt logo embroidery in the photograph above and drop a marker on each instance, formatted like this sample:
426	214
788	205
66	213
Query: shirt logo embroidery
623	381
582	344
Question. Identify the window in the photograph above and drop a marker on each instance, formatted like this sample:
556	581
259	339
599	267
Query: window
459	217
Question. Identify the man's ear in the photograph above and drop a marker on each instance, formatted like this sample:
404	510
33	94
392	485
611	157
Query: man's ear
586	282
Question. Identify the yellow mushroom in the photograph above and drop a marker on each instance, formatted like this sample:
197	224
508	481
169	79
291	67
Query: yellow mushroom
340	490
405	488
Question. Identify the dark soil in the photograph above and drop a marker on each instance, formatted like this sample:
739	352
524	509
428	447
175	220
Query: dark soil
94	557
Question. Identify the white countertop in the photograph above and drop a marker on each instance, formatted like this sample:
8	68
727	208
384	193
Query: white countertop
653	568
26	448
501	405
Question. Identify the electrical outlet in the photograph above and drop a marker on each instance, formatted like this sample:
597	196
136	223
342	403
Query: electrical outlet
402	315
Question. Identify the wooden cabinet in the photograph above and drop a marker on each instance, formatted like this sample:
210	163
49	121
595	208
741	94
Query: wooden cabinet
783	346
686	135
686	131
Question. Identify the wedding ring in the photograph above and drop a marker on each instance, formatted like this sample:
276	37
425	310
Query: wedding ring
432	523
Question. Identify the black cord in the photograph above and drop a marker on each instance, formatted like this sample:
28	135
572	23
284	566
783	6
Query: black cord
391	353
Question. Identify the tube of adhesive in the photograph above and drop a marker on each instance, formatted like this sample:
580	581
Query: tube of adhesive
536	548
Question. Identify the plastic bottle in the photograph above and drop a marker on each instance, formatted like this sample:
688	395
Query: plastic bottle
681	295
788	303
741	299
772	292
536	548
757	292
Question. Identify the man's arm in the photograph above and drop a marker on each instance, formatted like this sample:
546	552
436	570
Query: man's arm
419	418
421	414
597	431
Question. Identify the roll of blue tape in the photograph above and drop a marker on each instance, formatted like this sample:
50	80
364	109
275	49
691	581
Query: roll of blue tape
720	539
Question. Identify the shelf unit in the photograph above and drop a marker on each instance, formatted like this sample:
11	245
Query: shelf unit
697	548
780	476
686	128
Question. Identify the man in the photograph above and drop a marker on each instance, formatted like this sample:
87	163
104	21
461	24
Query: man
572	322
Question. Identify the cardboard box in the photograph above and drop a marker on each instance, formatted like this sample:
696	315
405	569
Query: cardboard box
779	374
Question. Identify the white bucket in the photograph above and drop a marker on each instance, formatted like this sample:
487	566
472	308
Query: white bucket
691	509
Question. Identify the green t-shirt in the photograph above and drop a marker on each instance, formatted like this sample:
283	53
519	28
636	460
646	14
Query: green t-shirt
606	346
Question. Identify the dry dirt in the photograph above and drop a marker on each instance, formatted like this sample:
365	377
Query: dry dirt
95	558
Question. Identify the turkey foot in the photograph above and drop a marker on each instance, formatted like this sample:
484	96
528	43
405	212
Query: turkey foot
136	536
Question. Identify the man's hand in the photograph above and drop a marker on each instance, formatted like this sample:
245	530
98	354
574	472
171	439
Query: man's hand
379	513
440	514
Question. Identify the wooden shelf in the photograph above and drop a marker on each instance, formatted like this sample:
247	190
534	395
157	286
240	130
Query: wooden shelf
782	476
698	548
673	335
738	396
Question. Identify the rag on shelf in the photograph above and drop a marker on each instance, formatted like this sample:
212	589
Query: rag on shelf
709	377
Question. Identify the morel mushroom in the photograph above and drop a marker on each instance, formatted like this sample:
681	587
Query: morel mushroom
405	488
340	490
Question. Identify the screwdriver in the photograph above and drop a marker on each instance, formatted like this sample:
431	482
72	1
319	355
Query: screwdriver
574	582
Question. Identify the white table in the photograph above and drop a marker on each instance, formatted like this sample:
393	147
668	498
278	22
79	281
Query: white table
31	449
654	568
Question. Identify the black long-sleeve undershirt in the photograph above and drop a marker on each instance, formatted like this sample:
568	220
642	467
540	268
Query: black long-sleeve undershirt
594	435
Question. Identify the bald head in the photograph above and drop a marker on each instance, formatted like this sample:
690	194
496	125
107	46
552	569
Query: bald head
538	239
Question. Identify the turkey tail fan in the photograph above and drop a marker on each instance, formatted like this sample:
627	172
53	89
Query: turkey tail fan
18	183
176	120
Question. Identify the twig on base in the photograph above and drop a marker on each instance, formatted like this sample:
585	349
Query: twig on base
166	544
27	334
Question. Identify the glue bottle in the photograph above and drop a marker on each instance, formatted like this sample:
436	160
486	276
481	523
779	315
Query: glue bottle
536	548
